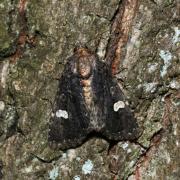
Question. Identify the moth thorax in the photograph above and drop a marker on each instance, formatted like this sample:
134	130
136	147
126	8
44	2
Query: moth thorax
84	67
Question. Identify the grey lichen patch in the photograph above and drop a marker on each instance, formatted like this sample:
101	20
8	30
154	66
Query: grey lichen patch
154	121
54	173
87	167
146	63
77	177
166	56
176	36
123	159
161	161
86	161
153	61
60	25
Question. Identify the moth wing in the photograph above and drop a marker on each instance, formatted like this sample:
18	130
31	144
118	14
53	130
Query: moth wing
69	126
119	122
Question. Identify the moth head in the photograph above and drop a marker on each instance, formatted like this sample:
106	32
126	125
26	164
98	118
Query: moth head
85	61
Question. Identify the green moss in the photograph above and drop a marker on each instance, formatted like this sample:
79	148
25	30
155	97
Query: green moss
4	36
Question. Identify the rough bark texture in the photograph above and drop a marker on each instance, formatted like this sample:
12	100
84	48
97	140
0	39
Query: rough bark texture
36	37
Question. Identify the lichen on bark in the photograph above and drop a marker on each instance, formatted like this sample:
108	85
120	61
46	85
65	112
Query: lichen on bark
31	62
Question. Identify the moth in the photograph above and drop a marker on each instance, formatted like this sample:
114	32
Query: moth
89	102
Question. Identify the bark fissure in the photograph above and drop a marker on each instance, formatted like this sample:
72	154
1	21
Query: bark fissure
121	26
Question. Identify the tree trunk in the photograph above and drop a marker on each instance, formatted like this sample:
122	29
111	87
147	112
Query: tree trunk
139	39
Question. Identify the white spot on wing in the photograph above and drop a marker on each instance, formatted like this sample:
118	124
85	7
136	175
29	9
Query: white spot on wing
87	167
62	113
118	105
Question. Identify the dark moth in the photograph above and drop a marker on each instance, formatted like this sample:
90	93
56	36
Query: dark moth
89	102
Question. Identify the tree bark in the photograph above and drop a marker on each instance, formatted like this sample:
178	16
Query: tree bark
138	38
